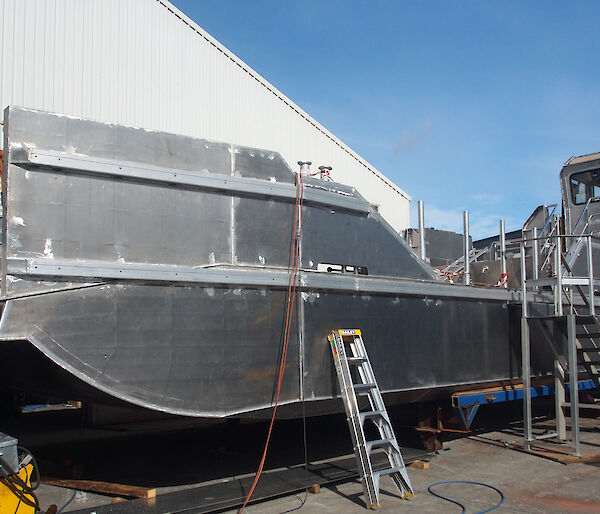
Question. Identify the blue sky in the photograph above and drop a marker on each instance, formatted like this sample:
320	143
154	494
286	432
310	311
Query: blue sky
465	105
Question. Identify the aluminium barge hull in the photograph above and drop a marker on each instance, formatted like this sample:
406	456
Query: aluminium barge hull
152	269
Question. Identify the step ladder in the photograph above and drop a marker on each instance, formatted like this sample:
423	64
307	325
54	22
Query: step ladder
348	350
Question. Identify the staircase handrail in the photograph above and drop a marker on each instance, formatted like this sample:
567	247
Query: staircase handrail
548	219
474	253
575	247
548	244
563	268
583	212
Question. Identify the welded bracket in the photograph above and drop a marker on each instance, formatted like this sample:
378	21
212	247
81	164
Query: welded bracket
466	415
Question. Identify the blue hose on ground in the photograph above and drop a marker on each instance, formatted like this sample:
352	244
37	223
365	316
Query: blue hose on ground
66	504
464	509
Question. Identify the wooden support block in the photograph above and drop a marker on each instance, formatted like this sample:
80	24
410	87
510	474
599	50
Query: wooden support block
314	489
130	491
419	464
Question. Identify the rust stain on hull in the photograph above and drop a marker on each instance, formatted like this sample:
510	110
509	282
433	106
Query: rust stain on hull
263	373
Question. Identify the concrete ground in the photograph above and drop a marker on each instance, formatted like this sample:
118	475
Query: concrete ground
174	458
530	484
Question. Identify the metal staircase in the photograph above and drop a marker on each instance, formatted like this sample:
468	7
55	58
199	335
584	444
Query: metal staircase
574	308
457	267
587	339
348	350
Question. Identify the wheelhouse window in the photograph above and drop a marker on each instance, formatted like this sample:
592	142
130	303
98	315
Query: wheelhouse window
585	185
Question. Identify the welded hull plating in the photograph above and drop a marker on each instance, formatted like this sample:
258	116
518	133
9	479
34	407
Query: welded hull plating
152	268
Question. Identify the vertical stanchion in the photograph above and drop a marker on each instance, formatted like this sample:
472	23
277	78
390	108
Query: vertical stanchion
559	400
573	383
590	266
525	354
503	276
524	310
421	230
466	249
536	252
558	299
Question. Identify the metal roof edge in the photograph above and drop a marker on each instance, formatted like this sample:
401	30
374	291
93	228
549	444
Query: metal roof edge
248	69
579	159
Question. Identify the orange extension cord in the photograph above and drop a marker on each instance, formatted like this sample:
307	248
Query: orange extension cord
294	269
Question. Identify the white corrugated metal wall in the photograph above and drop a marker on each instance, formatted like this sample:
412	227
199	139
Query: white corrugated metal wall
144	63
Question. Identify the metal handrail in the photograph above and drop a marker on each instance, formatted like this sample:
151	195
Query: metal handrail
560	265
591	216
548	244
547	259
474	253
552	246
575	247
526	240
548	247
549	218
585	208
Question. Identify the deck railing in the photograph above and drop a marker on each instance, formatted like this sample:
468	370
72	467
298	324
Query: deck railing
562	274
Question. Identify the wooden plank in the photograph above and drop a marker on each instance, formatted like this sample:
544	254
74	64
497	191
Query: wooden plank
419	464
560	455
131	491
564	459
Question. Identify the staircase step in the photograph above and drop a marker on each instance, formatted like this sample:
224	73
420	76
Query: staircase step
594	377
591	335
588	350
542	318
582	374
585	320
593	362
593	406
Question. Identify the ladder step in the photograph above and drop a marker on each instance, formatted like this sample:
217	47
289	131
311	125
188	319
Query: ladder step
371	414
591	335
387	471
593	362
364	387
377	443
356	360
